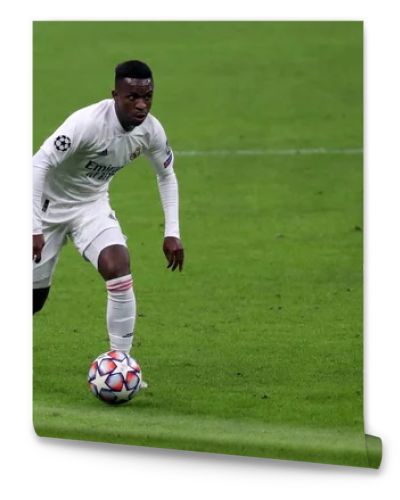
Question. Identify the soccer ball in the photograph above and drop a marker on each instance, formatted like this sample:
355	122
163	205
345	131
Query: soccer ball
114	377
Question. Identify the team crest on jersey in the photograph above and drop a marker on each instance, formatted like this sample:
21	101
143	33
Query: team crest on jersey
62	143
135	154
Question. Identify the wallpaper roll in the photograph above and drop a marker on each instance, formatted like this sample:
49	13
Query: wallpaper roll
256	347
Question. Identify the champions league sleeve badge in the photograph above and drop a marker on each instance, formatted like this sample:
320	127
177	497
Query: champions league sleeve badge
62	143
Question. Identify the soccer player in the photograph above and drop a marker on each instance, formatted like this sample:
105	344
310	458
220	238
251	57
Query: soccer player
71	174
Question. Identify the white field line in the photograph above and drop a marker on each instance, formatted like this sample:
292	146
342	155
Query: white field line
272	152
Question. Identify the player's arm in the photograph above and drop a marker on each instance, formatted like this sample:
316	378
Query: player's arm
162	159
69	138
40	168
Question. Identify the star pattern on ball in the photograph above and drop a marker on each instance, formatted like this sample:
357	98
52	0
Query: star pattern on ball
100	381
122	366
62	143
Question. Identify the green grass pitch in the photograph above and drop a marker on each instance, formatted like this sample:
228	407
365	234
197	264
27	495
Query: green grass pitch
256	348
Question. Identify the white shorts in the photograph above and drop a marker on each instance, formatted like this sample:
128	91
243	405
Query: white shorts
91	227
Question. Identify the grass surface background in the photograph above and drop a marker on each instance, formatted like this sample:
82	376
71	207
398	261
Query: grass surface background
256	348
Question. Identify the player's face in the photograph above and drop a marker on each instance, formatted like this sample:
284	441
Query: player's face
133	99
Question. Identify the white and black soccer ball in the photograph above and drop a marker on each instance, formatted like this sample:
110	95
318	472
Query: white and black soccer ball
114	377
62	143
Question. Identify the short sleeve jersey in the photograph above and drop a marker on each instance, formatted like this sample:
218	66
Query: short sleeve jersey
91	146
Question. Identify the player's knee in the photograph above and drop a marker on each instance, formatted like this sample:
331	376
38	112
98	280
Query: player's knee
114	262
39	298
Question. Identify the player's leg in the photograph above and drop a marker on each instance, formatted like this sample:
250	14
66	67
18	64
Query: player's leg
99	238
55	238
113	260
114	266
109	255
39	298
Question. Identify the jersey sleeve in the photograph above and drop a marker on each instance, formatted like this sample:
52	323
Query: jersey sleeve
159	152
162	158
71	137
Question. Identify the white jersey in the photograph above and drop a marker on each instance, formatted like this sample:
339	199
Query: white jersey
89	148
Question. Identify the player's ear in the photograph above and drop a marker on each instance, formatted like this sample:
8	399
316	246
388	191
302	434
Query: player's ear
114	93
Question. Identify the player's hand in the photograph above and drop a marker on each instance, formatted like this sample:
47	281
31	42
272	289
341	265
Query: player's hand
173	251
37	246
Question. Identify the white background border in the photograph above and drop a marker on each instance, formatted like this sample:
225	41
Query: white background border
65	469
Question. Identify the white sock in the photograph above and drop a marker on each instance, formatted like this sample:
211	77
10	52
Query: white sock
121	312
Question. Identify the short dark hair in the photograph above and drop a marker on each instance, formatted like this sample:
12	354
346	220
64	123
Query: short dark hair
132	69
